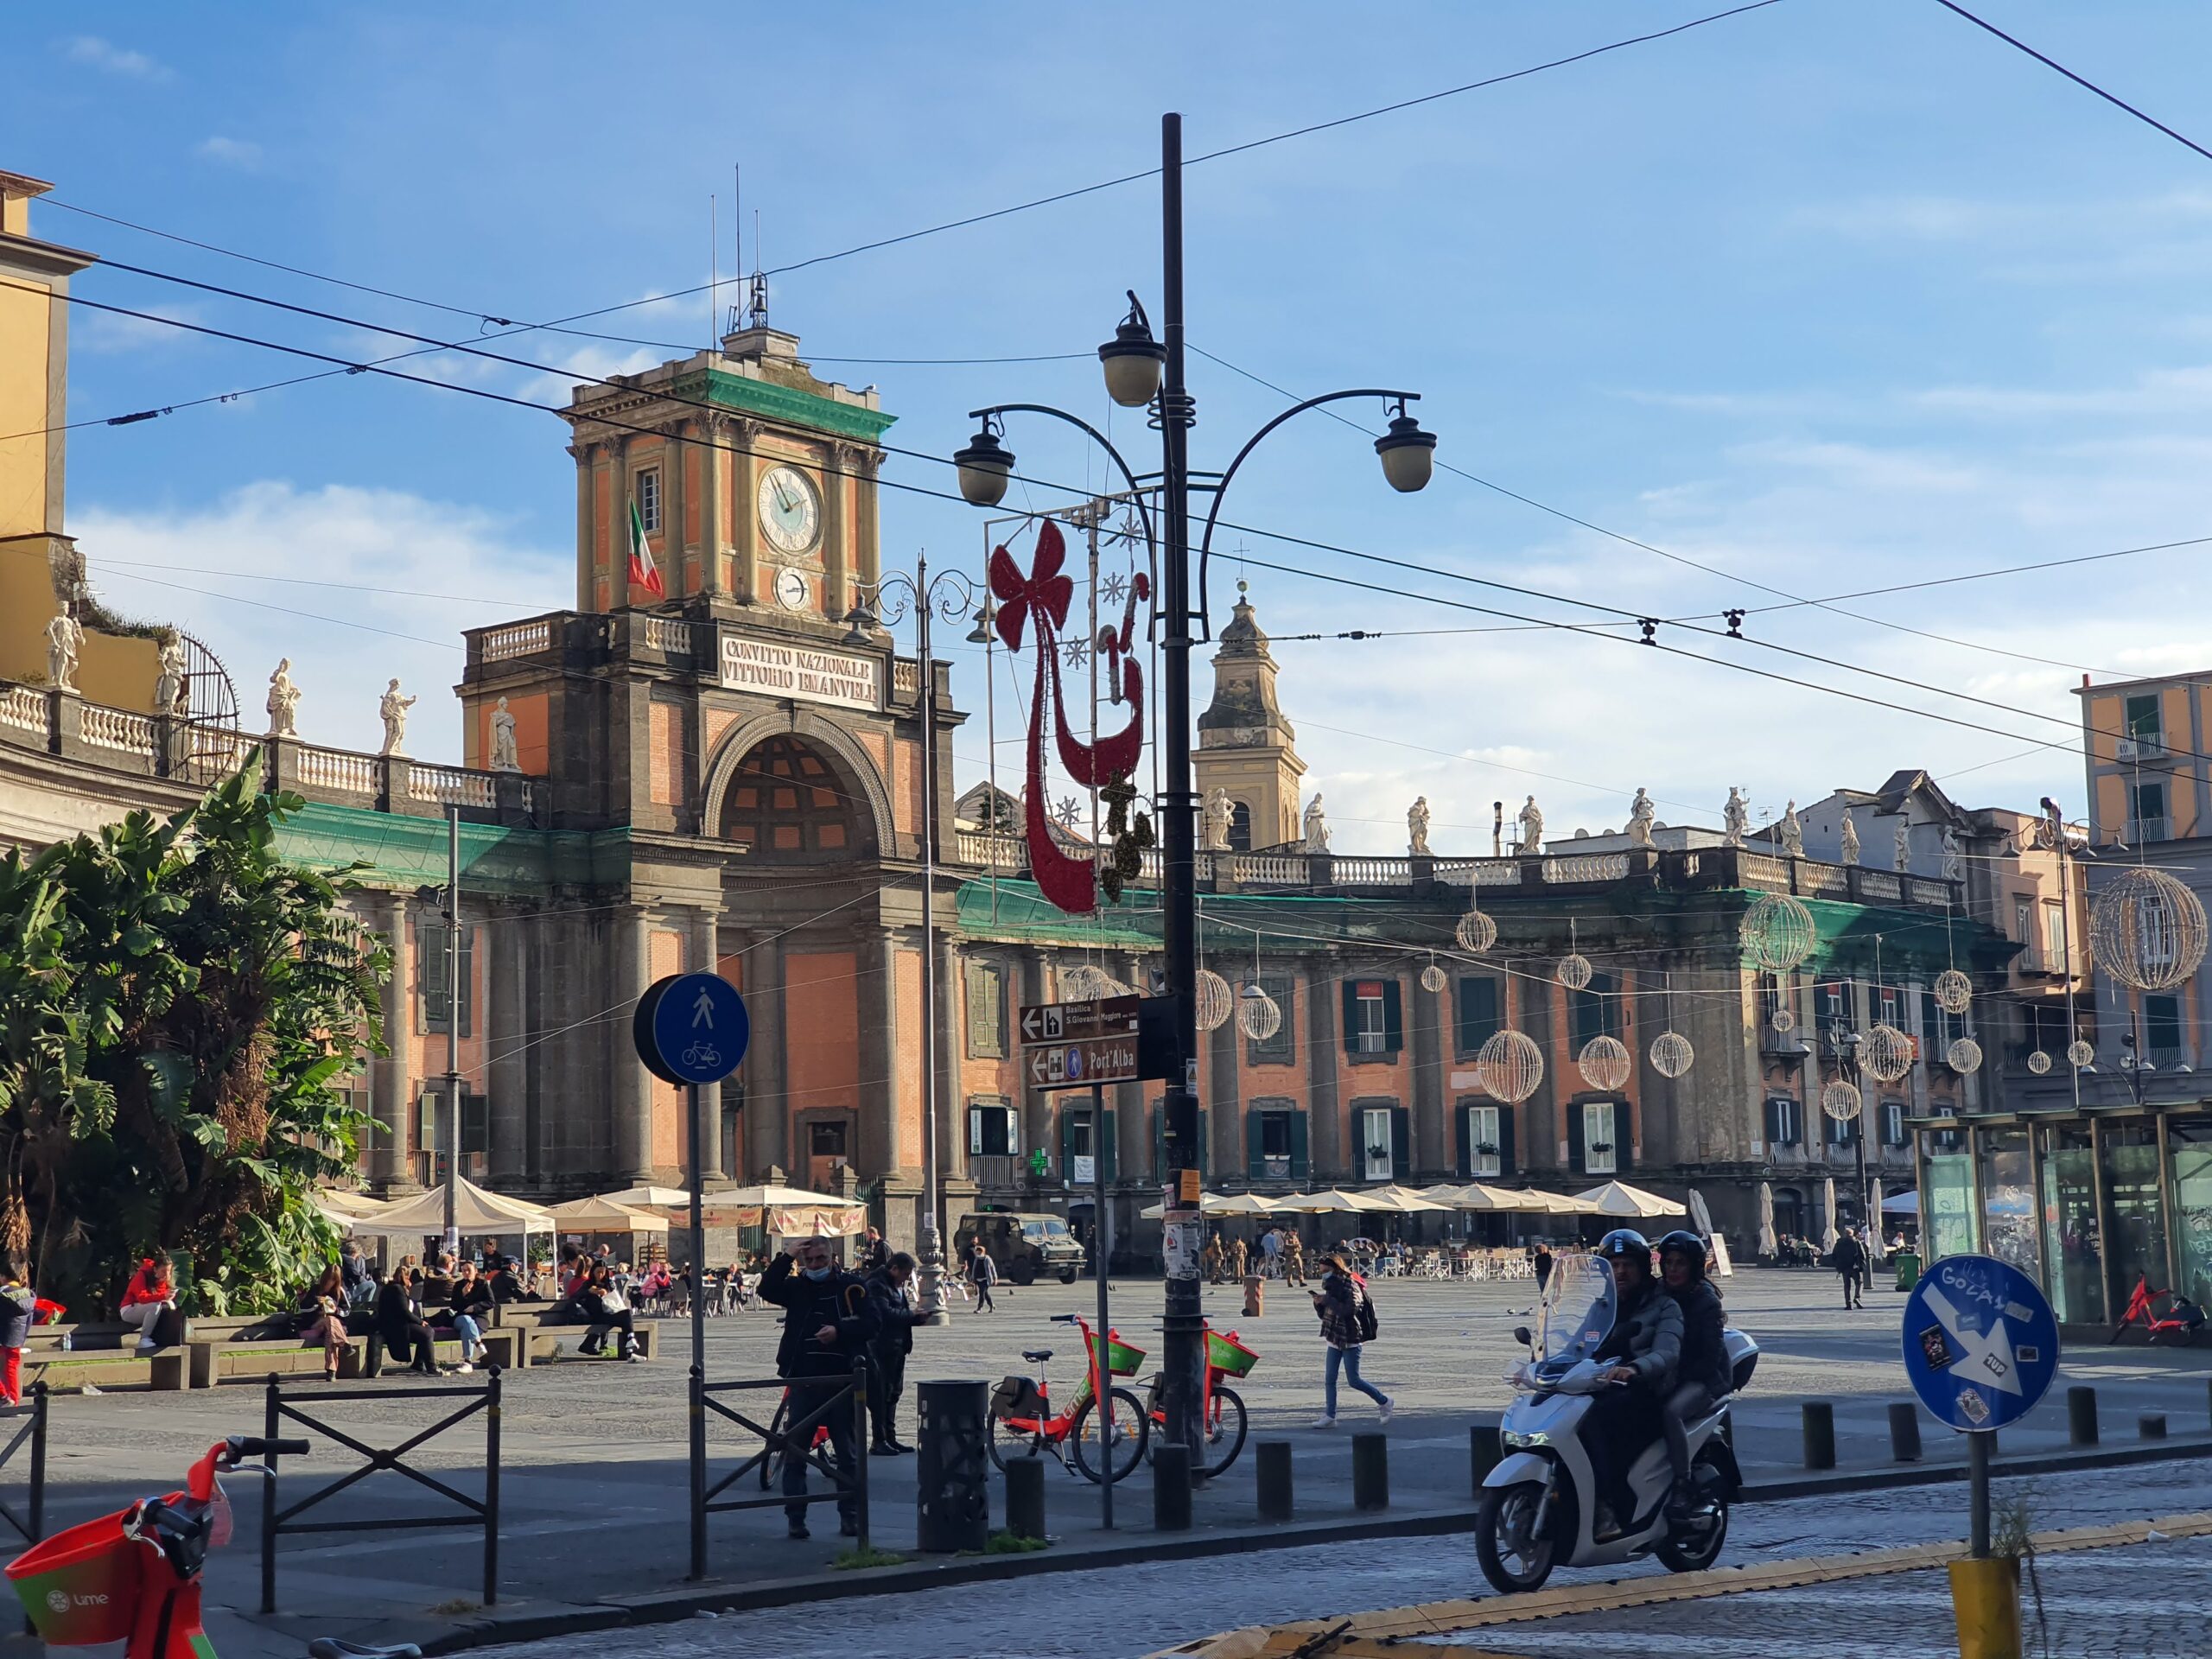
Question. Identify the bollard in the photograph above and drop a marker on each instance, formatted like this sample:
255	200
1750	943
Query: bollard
1819	1419
2152	1426
1371	1472
1482	1442
1274	1479
952	1508
2081	1416
1171	1488
1904	1431
1025	1498
1255	1296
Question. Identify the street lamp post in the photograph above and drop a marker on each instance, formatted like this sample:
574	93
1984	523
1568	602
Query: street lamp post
1846	1042
1139	371
949	594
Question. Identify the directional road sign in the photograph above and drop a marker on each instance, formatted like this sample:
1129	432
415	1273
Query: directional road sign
1980	1344
1078	1065
691	1029
1047	1023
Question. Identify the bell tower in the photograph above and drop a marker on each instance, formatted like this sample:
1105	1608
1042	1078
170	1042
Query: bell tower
1244	742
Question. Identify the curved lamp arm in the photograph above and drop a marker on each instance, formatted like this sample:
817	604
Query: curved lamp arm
1221	487
1136	491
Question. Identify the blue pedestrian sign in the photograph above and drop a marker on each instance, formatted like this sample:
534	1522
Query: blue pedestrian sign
691	1029
1980	1342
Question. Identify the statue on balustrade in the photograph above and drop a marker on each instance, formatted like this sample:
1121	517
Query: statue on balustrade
1903	855
1217	810
1531	820
1417	827
1793	832
1316	826
1850	838
392	710
284	702
1641	814
65	636
1954	855
1735	818
172	689
504	755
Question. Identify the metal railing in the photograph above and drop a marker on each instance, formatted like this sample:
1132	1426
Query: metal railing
468	1511
30	1526
805	1405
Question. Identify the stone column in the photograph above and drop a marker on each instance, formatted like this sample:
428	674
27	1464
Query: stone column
767	1095
633	1083
1324	1127
388	1074
866	532
745	514
507	937
606	462
1431	1144
886	1042
952	1046
671	510
836	528
700	949
713	501
1225	1123
586	549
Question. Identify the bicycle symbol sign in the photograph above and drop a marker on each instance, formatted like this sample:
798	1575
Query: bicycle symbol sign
691	1029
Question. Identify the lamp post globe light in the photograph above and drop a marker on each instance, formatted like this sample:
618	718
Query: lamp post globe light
949	596
1144	370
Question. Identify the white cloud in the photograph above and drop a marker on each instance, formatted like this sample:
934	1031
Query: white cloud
111	332
241	152
95	53
154	563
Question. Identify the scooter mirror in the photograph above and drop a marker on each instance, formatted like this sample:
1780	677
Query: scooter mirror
1520	1335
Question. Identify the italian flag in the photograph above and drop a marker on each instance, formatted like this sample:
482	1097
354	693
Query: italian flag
643	573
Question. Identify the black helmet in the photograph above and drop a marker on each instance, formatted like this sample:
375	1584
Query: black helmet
1625	1240
1686	1243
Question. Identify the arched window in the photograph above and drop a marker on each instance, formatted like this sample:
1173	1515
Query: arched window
1240	828
787	802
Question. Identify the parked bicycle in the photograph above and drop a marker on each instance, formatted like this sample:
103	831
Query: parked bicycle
1023	1424
2179	1322
1222	1437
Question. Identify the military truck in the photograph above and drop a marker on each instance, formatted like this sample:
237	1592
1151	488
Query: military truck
1028	1245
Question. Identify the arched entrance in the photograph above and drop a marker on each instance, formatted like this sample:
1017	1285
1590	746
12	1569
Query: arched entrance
787	801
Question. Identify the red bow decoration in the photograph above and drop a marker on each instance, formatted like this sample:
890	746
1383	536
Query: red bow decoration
1037	604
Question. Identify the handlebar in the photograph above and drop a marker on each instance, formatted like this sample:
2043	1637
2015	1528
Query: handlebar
1063	1318
255	1446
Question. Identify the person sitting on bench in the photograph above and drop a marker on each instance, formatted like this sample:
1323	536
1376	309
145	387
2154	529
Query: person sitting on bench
400	1326
608	1310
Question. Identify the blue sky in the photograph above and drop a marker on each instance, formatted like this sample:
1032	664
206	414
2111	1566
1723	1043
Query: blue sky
1828	295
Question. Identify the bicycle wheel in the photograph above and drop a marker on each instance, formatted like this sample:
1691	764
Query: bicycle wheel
1132	1432
1010	1444
1225	1432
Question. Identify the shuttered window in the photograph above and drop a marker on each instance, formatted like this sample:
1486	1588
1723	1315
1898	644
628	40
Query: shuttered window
986	1011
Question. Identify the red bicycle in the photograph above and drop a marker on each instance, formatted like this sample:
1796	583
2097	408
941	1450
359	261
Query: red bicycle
1224	1408
2181	1318
1023	1425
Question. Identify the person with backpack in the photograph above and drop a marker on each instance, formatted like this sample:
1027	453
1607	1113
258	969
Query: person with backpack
1348	1323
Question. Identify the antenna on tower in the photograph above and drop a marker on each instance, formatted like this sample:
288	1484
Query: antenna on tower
713	271
757	304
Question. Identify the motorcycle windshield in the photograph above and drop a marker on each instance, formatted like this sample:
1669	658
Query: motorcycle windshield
1578	1310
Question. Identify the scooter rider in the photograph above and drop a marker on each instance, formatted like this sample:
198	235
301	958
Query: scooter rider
1702	1376
1646	1346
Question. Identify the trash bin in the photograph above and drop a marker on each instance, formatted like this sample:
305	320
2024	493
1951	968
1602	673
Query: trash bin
1908	1269
1256	1293
80	1587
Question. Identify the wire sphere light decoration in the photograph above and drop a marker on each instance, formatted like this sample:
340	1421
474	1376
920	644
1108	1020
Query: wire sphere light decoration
1604	1063
2039	1063
1082	983
1258	1015
2146	930
1887	1055
1433	978
1777	932
1215	1000
1963	1056
1574	970
1841	1101
1953	991
1782	1020
1671	1054
2081	1054
1476	932
1511	1065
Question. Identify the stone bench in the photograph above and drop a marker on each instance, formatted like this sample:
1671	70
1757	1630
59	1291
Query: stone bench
539	1342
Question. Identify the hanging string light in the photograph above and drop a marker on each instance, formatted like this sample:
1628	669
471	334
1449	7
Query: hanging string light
1215	1000
1574	969
1841	1101
1509	1066
1887	1053
2039	1063
1604	1063
1963	1056
2147	930
1782	1020
1257	1015
1953	991
1476	932
1433	978
1777	932
2081	1055
1671	1053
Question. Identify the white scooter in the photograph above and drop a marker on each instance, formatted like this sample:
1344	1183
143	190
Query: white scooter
1539	1504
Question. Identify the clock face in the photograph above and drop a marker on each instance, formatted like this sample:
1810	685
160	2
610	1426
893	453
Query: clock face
791	590
791	512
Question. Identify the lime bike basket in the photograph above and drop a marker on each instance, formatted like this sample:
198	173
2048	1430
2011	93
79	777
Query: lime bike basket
80	1587
1121	1360
1227	1355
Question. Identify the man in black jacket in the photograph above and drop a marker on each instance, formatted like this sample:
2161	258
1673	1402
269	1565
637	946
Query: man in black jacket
888	1294
1849	1260
828	1323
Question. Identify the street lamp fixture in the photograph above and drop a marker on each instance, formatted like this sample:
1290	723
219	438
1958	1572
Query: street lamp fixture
861	627
981	633
1408	454
1133	359
985	466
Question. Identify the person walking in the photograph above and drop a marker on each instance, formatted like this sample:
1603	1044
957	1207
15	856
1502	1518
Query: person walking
1849	1260
1271	1253
1293	1256
17	1304
1215	1258
1543	1262
829	1324
1239	1256
982	1273
876	1255
1348	1323
887	1289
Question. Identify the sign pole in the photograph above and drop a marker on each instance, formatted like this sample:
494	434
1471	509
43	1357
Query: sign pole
1100	1245
698	1337
1978	1482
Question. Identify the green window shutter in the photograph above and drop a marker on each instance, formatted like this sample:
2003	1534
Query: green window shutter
1464	1150
1574	1156
1402	1143
468	997
1478	1012
1350	1022
1394	1018
1255	1164
1301	1166
1507	1168
1624	1137
1067	1145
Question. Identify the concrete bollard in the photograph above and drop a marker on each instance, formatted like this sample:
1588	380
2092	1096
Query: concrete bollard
1486	1449
2152	1426
1371	1472
1275	1502
2081	1416
1255	1296
1171	1488
1025	1498
1818	1417
1904	1431
952	1505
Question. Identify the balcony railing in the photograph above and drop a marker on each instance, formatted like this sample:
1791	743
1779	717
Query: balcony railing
2140	830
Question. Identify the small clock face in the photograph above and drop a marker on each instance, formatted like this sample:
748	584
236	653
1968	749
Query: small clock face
791	512
791	590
